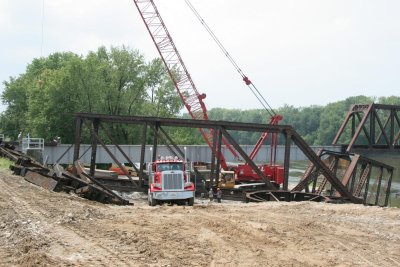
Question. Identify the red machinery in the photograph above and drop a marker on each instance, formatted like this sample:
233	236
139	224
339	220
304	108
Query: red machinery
274	172
191	98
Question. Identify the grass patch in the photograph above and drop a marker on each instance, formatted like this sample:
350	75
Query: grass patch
394	202
5	163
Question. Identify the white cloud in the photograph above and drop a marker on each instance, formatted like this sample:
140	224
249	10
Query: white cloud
299	52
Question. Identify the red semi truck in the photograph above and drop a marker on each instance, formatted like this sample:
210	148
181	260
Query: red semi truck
169	182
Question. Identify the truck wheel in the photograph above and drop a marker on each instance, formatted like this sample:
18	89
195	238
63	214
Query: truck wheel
191	201
152	201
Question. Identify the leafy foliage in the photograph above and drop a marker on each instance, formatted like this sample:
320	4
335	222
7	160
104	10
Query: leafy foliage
118	81
5	163
318	125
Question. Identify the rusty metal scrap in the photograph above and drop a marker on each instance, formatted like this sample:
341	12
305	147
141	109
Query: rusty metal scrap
41	180
57	179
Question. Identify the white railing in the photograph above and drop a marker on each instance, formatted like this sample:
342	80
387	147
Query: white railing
32	144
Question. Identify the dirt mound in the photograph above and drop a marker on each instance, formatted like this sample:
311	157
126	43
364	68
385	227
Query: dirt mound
43	228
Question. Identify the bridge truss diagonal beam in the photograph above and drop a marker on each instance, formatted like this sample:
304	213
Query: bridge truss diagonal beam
379	123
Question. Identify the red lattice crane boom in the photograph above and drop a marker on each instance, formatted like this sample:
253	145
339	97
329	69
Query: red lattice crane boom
177	70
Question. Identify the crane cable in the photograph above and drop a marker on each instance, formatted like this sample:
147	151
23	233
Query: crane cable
252	87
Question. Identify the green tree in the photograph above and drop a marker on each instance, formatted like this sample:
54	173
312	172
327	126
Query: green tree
14	96
116	82
332	116
390	100
20	91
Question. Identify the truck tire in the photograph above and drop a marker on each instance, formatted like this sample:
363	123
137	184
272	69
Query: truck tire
191	201
152	201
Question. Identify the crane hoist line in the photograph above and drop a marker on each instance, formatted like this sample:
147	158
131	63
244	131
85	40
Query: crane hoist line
193	100
246	79
274	118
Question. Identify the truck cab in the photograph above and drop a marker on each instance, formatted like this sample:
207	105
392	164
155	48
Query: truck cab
169	182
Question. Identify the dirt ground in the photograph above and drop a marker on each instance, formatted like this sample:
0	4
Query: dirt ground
43	228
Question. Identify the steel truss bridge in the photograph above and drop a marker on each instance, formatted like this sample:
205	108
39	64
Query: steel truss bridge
331	176
373	127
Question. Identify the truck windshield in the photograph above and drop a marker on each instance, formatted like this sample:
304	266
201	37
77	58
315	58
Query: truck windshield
169	167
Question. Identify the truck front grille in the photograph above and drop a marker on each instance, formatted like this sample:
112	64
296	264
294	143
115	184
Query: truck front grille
172	181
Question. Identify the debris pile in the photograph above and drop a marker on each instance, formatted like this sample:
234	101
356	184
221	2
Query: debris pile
56	178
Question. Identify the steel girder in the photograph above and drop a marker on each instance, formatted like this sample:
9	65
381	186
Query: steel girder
372	127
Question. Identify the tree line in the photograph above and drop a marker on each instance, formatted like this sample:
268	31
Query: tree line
318	125
118	81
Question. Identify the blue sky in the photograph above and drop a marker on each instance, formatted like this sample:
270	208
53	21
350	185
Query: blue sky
297	52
